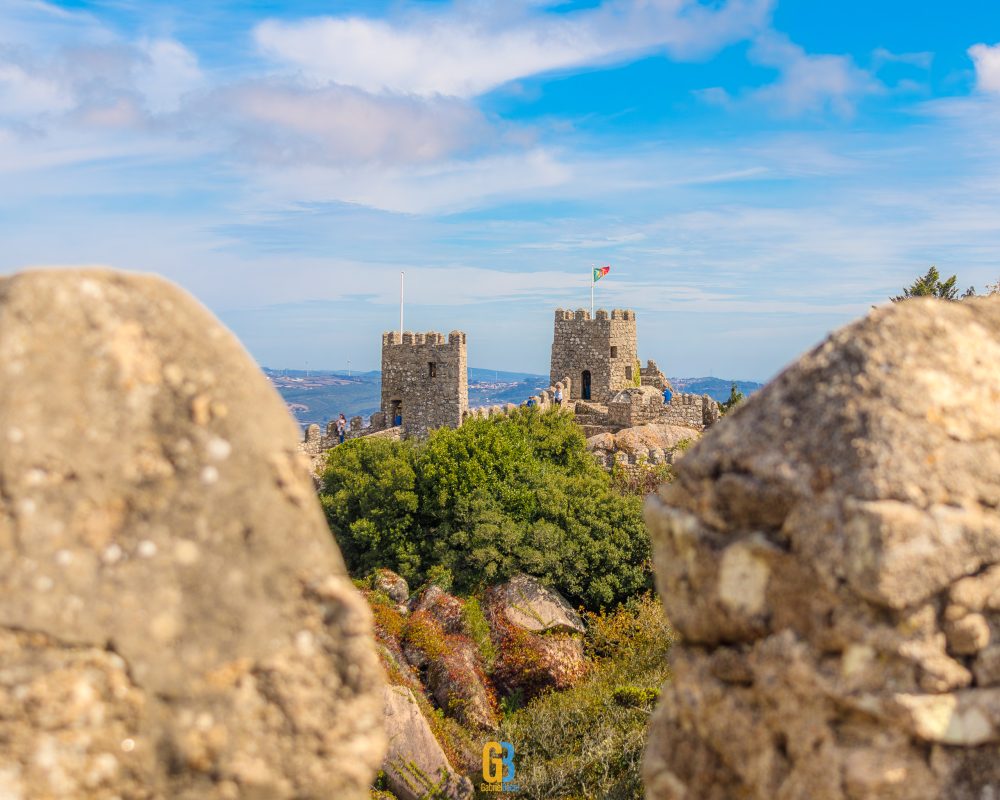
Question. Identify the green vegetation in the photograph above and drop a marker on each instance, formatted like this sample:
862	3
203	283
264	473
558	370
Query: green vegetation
640	480
931	285
735	398
495	497
587	742
479	630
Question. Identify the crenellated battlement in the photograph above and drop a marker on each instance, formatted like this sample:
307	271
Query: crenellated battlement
582	315
431	338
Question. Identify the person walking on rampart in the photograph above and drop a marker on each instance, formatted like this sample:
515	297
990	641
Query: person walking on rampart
667	395
341	427
558	396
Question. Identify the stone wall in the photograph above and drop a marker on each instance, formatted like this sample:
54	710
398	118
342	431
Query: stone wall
651	376
424	380
644	405
604	346
541	401
639	405
830	556
698	411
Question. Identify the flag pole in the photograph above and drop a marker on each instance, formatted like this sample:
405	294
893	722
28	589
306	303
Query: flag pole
592	282
401	306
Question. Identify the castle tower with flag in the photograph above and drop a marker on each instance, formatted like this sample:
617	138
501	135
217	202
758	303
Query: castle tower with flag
597	351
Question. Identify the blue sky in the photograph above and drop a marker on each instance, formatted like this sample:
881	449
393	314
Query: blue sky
757	172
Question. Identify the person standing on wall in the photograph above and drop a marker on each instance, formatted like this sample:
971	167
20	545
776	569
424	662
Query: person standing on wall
558	396
667	395
341	427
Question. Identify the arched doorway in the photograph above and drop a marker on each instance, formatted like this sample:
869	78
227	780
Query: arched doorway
585	385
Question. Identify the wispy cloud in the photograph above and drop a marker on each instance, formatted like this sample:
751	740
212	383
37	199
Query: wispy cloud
465	50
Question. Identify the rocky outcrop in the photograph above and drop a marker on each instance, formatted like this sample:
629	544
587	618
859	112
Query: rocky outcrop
532	606
392	585
537	636
438	643
175	619
415	766
829	555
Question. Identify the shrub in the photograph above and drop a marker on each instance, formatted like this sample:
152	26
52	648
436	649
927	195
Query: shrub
479	630
517	493
587	742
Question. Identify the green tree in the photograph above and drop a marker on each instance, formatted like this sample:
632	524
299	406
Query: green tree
931	285
735	398
498	496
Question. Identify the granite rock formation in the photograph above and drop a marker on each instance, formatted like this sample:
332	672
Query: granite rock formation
829	555
175	619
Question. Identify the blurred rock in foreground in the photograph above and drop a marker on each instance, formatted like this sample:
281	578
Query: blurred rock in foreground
175	620
829	554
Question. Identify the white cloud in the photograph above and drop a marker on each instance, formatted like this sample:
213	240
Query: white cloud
987	61
442	187
466	54
809	83
24	94
165	71
921	60
278	122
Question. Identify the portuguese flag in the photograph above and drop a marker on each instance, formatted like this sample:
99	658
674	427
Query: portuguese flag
600	272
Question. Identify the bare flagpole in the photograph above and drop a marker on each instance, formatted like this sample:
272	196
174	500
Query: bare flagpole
592	282
401	306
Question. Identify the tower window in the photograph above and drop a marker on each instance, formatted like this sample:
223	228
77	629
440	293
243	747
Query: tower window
614	351
432	369
628	373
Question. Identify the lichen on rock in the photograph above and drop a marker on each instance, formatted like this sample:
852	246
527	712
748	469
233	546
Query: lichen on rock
175	618
829	554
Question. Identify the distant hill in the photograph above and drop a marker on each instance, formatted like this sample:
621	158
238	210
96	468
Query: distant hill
716	388
318	396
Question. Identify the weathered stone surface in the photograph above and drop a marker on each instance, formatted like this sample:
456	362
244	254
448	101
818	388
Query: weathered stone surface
415	766
537	649
829	554
530	605
175	620
391	584
643	438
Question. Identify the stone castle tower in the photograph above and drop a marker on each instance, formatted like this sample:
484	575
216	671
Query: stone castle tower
424	380
599	355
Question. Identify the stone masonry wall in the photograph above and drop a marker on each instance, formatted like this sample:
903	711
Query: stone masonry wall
689	410
636	406
605	346
644	405
425	380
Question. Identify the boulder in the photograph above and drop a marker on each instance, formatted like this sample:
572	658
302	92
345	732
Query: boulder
534	607
537	638
415	766
391	584
441	606
175	618
828	554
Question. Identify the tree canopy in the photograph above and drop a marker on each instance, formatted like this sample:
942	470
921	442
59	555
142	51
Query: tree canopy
931	285
498	496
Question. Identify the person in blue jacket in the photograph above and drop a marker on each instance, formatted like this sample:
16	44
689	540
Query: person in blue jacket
667	394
